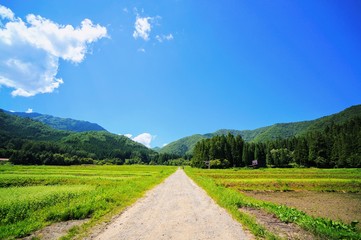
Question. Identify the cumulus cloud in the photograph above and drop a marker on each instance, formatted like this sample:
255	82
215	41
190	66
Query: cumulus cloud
31	49
30	110
6	13
144	138
128	135
142	28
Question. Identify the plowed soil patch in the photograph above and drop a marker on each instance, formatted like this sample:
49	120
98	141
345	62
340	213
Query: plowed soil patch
336	206
276	226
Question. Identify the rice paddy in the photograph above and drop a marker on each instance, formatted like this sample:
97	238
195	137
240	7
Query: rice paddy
32	197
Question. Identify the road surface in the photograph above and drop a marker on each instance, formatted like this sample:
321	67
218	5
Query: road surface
175	209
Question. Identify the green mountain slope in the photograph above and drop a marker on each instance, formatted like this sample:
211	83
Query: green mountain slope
67	124
285	130
105	144
16	132
276	131
182	146
25	128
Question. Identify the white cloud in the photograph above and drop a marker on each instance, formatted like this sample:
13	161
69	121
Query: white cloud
145	139
125	10
128	135
164	37
30	110
141	50
6	13
165	144
30	51
142	27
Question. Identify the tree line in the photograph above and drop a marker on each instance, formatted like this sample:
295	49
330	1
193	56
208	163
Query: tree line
25	141
32	152
339	145
28	142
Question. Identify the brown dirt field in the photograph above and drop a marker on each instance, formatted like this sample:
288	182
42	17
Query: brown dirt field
336	206
276	226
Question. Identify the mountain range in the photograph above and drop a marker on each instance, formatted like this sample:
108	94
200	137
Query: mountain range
43	127
185	145
67	124
20	133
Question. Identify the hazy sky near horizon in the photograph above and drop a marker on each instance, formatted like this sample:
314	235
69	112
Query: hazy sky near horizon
161	70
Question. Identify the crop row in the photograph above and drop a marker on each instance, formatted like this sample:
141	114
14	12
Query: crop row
321	185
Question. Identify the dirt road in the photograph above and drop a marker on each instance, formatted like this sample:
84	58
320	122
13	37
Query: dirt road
176	209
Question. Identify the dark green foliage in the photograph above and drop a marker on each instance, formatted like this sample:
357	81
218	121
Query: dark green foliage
26	141
107	145
182	146
25	128
222	152
165	159
178	162
67	124
336	146
265	134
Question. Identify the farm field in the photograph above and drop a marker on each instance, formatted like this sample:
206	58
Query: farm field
32	197
292	195
334	205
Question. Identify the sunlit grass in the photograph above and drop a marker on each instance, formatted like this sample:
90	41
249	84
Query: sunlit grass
327	180
225	187
32	197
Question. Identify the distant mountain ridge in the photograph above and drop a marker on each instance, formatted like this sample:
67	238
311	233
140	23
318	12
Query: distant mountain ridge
58	123
277	131
15	131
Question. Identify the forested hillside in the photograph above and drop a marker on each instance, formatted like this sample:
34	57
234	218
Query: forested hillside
67	124
273	132
12	127
332	141
337	145
182	146
27	141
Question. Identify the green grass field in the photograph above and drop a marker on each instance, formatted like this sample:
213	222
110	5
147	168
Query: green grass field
32	197
226	186
312	179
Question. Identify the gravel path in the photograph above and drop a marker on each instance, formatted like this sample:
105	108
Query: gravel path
175	209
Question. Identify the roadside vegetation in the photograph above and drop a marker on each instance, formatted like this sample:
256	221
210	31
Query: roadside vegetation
227	188
32	197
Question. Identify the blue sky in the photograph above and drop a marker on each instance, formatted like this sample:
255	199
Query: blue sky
173	68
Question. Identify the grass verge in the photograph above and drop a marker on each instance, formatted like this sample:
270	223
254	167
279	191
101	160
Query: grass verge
231	199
